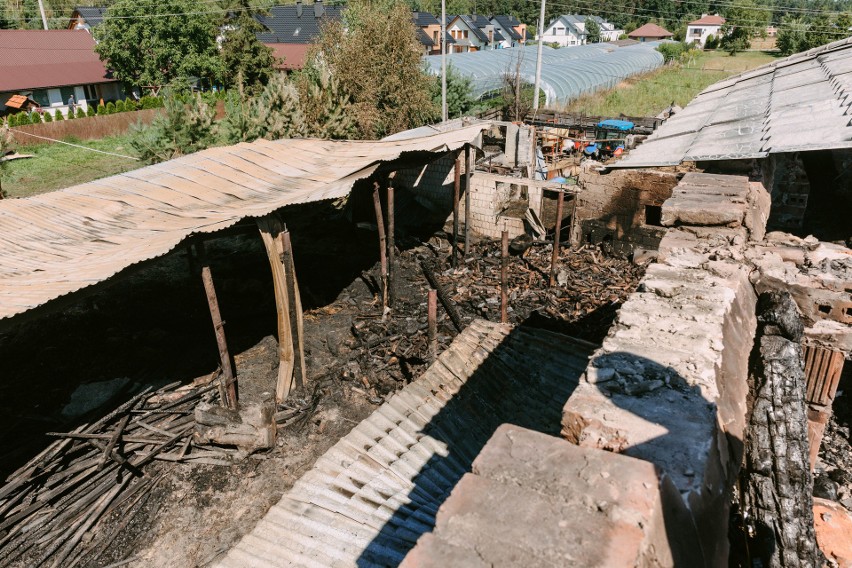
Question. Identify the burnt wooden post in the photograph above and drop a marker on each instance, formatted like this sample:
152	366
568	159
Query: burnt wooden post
557	230
377	204
294	297
391	246
270	226
504	279
467	172
456	199
227	389
432	311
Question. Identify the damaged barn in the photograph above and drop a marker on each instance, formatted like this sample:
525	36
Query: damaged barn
626	368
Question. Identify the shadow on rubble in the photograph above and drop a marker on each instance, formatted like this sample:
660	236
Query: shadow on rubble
525	380
529	388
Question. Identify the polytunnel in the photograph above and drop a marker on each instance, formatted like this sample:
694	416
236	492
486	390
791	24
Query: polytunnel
566	73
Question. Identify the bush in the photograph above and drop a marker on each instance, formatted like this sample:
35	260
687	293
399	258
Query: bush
101	110
119	106
149	102
47	117
12	120
90	110
70	116
23	118
129	105
35	117
110	108
57	115
711	42
671	51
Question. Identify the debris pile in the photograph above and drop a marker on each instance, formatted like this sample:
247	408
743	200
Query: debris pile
50	505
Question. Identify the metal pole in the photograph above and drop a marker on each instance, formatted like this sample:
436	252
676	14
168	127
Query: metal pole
43	17
444	60
555	258
538	60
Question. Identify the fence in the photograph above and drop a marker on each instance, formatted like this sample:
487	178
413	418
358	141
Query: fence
89	128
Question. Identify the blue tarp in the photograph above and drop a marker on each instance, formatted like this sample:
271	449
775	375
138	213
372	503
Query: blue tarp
614	124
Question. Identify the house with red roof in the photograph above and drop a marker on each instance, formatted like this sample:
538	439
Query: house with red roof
51	66
707	25
650	32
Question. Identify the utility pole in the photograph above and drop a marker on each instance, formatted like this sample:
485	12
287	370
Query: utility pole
444	60
538	61
43	17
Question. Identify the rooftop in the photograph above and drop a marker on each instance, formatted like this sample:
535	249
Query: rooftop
297	23
39	59
650	30
790	105
708	20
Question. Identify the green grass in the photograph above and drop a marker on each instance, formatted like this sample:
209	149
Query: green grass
651	93
57	165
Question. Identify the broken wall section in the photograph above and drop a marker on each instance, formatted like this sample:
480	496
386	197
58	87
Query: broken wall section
668	385
622	208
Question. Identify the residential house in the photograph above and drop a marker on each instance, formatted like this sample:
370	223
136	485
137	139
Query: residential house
513	31
698	31
650	32
51	66
429	32
570	29
293	28
473	33
86	17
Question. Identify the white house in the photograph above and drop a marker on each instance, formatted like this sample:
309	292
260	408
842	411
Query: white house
698	31
570	29
473	33
513	31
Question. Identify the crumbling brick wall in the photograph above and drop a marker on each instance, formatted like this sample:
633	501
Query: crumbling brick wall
622	207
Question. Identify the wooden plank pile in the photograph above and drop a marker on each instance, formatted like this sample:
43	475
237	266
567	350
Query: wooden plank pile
51	505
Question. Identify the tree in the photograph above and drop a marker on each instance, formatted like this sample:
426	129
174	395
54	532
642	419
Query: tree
743	21
375	56
183	128
593	31
144	50
793	36
244	57
460	99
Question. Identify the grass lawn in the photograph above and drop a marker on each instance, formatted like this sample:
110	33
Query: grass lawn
57	165
651	93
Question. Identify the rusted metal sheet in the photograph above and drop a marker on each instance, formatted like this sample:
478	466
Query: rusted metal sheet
60	242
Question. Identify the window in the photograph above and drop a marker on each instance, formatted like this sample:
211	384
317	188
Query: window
41	97
435	37
654	215
697	31
91	92
67	93
464	34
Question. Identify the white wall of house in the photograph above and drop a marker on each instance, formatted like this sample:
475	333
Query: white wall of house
465	38
57	98
507	40
558	32
699	34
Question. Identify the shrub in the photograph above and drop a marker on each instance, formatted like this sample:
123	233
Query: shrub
80	112
35	118
23	118
12	120
90	110
101	110
151	102
671	51
57	115
110	108
119	106
129	105
47	117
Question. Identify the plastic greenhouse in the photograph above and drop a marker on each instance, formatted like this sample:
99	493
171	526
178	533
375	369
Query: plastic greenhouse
566	73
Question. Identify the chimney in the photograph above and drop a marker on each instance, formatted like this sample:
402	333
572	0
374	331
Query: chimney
318	9
298	8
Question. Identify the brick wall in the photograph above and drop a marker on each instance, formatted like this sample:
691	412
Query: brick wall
612	207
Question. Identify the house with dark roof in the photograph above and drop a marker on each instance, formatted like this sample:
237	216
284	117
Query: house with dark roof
699	30
429	33
650	32
473	32
86	17
513	31
51	66
291	30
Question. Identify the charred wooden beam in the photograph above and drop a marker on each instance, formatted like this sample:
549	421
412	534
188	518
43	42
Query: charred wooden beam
270	227
560	199
297	321
456	199
443	296
391	247
469	165
504	278
383	256
432	318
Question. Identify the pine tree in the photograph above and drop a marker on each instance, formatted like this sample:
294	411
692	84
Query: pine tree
57	115
183	128
243	55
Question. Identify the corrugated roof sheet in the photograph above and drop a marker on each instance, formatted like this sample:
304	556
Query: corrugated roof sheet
61	242
790	105
38	59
